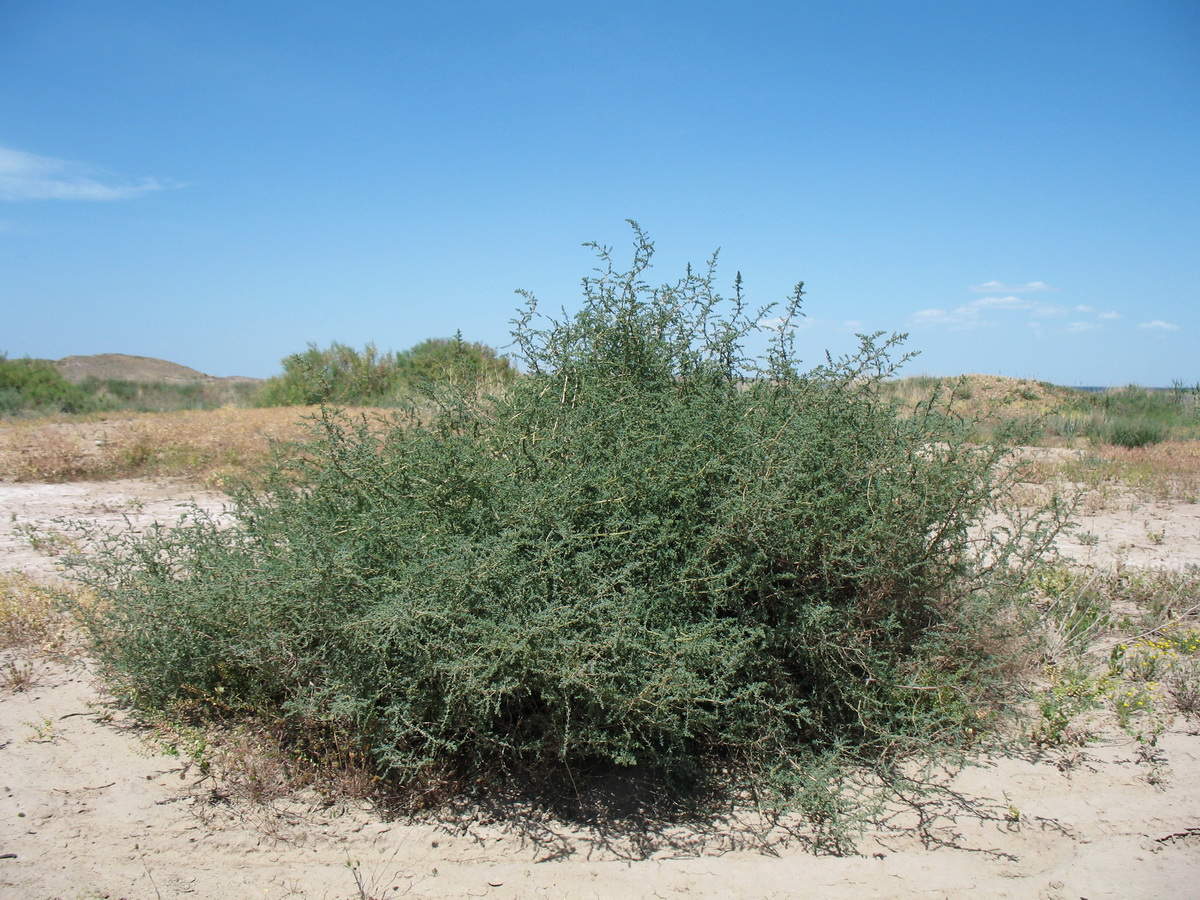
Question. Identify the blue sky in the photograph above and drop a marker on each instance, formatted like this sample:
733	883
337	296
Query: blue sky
1015	184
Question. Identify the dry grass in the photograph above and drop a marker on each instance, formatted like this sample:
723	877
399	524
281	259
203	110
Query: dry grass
31	614
1169	471
209	446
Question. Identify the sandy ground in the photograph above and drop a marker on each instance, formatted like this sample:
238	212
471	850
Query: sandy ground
89	808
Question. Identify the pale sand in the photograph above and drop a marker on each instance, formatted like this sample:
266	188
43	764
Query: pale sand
89	809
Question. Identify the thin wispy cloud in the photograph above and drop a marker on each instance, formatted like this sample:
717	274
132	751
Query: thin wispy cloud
999	287
1033	307
1159	325
960	319
775	324
27	176
976	313
1009	302
1001	309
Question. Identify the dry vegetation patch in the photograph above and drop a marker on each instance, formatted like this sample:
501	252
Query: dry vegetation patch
31	613
1169	471
976	394
210	446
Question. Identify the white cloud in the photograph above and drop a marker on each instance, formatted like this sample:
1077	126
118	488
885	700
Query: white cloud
930	315
26	176
1042	310
1159	325
1003	303
999	287
771	324
1033	307
959	319
997	309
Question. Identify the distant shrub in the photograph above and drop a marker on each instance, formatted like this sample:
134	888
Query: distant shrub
1135	434
453	360
337	374
1137	417
342	375
650	551
35	386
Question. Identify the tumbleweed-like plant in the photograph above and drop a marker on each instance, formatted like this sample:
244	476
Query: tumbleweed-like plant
650	552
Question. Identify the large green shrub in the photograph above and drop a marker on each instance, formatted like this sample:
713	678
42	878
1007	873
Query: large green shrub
649	552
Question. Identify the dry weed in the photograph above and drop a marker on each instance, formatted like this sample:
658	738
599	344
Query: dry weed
212	446
31	614
1169	471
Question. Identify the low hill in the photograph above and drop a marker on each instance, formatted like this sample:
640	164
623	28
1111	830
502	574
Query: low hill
143	369
974	393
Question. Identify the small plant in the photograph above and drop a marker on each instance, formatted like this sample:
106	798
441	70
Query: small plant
17	675
1076	612
1183	686
43	732
1151	657
1154	672
1132	435
43	540
1012	813
1072	691
31	613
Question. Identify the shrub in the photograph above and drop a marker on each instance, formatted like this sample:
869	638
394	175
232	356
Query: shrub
345	376
1135	434
649	552
35	386
452	360
339	374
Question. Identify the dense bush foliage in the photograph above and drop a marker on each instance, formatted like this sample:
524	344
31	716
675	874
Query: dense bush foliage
35	386
650	551
345	376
